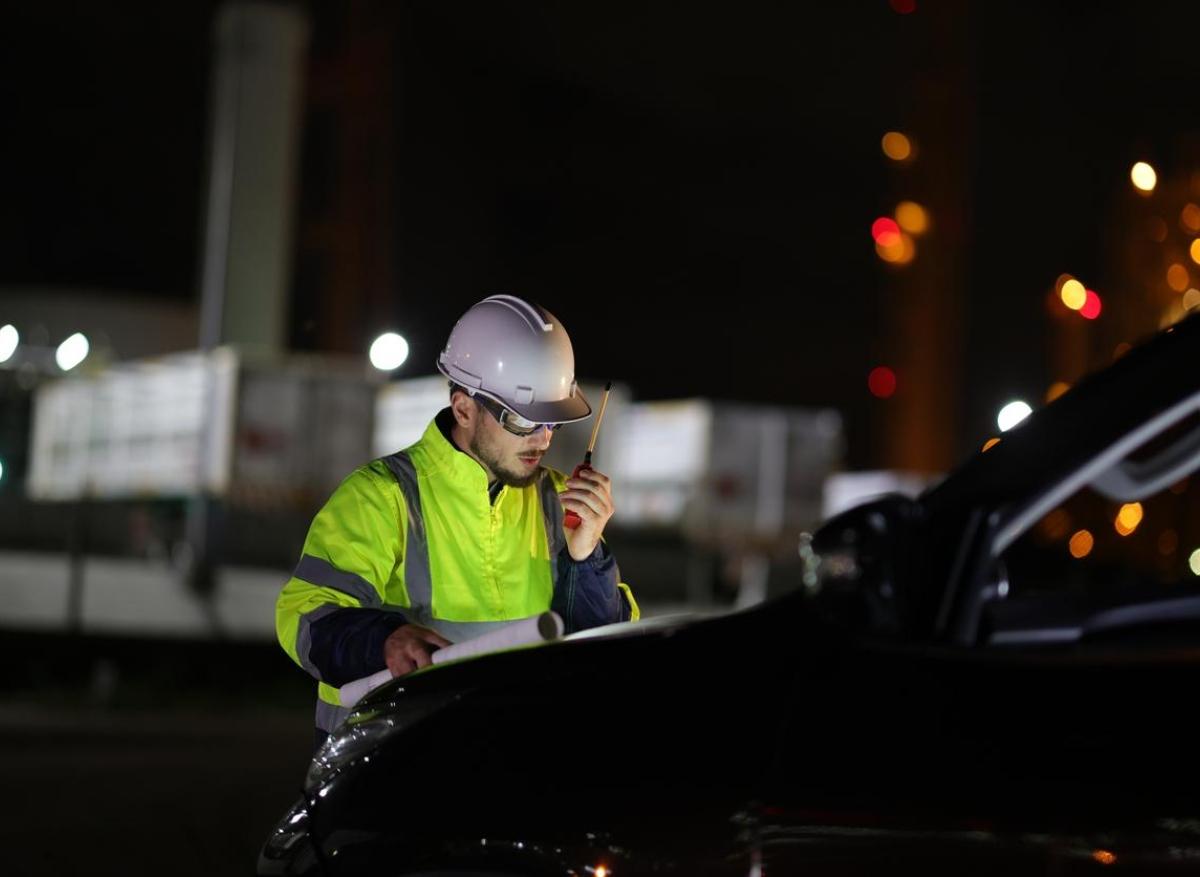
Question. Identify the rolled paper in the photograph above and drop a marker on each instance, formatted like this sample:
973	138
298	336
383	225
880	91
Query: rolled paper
537	628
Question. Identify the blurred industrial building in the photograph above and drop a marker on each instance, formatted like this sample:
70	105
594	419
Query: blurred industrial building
99	527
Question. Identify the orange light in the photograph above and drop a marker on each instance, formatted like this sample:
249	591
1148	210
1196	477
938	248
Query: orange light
1056	390
600	871
1194	251
912	217
1177	277
1128	518
1191	299
900	253
1081	544
1104	857
1091	307
1057	524
990	443
896	146
1189	218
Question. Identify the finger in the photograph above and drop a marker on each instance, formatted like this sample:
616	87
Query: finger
434	638
582	508
595	476
578	505
600	502
399	665
584	483
418	655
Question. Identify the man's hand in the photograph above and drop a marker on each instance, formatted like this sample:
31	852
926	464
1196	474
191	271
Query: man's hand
589	495
409	648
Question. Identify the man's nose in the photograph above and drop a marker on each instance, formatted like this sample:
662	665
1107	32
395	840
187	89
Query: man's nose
542	436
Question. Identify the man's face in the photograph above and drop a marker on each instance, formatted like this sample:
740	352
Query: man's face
510	458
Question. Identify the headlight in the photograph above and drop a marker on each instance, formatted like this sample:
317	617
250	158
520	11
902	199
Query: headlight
366	728
290	831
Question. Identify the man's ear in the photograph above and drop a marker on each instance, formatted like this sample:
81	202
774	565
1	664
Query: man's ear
464	409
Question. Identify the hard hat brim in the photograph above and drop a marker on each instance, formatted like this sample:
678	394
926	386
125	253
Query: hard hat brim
560	411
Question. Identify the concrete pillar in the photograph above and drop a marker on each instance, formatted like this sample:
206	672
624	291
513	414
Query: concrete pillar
259	52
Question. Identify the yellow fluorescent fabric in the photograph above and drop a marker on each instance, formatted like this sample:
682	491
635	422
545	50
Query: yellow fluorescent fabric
489	562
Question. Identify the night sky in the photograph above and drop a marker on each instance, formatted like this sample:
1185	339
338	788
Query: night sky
689	188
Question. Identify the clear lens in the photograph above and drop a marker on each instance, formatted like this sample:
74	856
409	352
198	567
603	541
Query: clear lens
511	421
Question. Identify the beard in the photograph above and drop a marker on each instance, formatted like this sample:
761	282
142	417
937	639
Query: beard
493	459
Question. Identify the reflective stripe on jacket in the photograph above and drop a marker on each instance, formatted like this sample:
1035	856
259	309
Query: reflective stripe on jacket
398	525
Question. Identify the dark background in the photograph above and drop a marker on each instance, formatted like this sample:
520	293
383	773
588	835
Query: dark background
689	187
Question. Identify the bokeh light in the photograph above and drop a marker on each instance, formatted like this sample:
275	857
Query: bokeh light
912	217
1191	299
1012	414
990	443
1177	277
1073	294
1091	307
1194	562
1081	544
900	253
1189	218
1056	525
882	382
885	231
72	351
1143	176
1194	251
9	339
1056	389
389	351
1128	518
896	146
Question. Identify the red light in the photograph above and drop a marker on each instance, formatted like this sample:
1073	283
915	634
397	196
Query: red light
903	7
881	382
1091	307
885	231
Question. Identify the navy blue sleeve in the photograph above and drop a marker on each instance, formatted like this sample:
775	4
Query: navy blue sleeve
586	593
348	644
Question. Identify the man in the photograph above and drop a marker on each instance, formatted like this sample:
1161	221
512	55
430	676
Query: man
463	531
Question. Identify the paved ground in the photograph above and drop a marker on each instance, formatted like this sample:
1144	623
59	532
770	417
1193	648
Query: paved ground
117	791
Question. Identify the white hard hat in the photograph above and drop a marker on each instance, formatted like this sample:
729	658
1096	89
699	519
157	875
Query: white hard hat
518	354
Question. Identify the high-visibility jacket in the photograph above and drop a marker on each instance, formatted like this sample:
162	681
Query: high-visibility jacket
418	534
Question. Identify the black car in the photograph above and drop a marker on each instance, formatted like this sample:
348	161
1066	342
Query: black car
993	678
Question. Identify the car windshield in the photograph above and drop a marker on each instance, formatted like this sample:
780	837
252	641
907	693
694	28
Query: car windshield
1092	545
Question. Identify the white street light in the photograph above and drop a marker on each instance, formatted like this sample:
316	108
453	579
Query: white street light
388	352
1012	414
72	351
9	339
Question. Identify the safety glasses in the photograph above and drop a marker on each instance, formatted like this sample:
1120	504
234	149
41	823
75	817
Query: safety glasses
512	422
